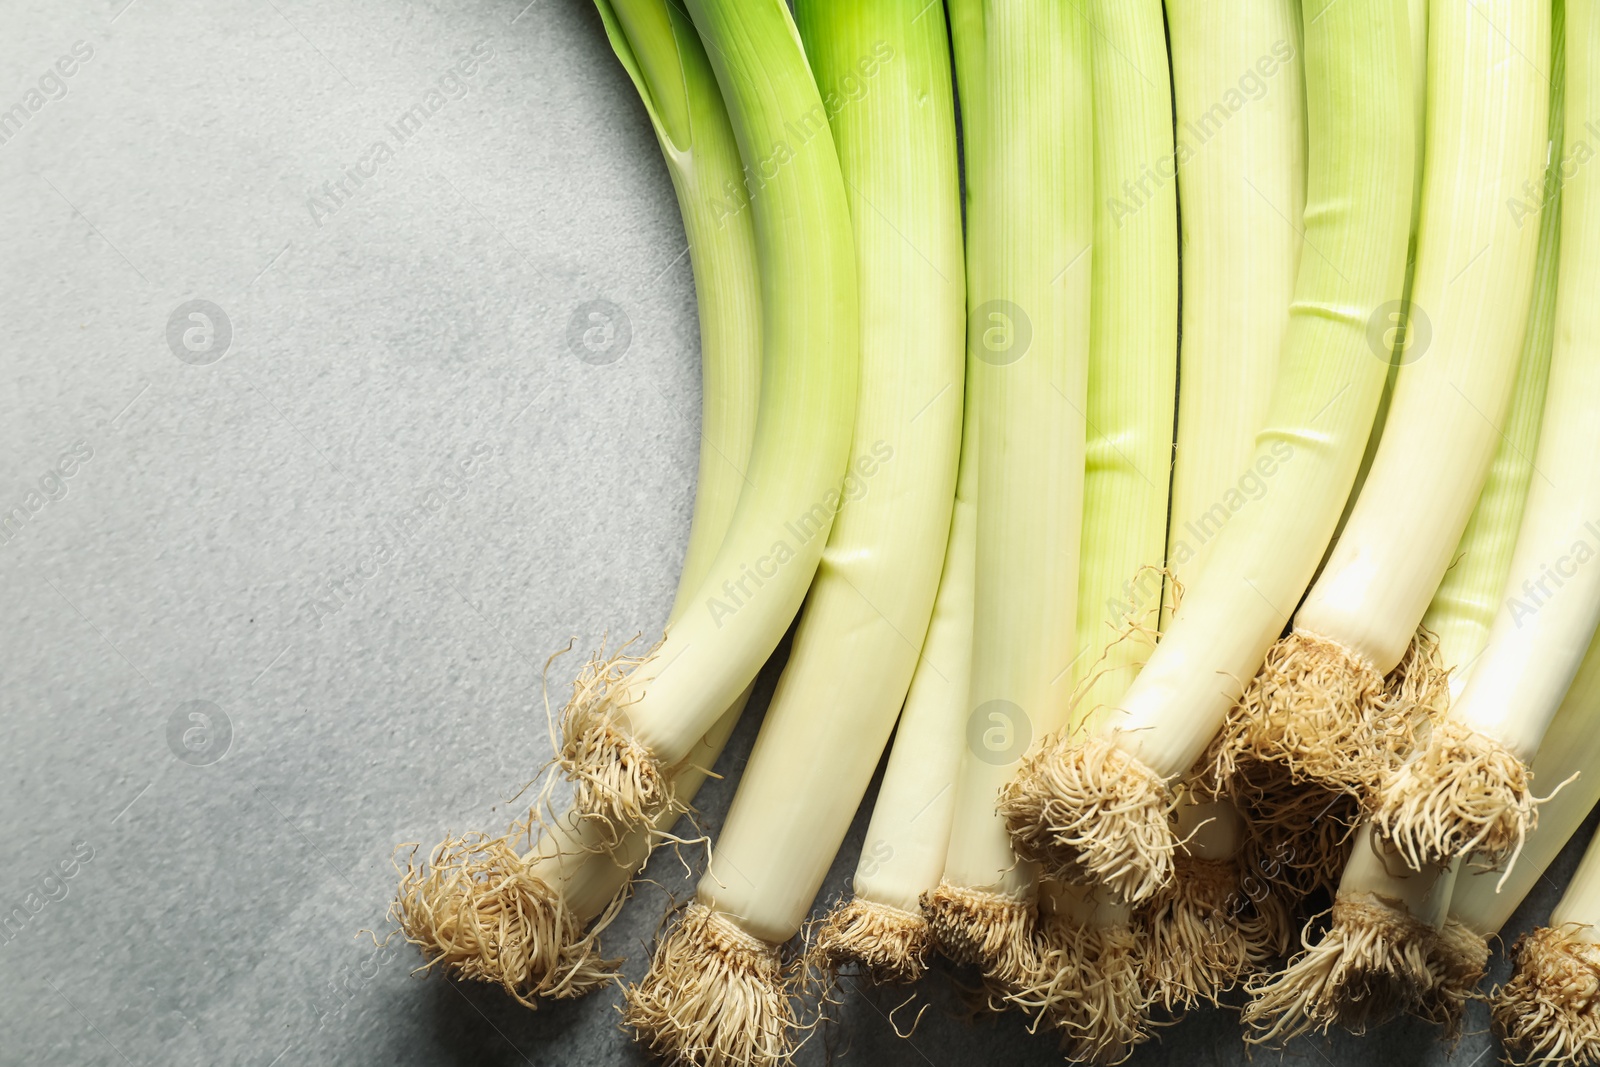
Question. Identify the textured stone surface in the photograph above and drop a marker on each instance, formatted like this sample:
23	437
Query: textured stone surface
281	530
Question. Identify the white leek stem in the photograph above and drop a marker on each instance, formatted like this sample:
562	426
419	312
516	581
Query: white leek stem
868	610
1029	266
1241	159
1475	264
1468	792
1484	899
479	908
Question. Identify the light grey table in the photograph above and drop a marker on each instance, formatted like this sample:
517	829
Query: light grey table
310	482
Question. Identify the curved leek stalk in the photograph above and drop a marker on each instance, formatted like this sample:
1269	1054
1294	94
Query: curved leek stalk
1384	933
1030	182
1318	706
1133	332
1087	979
1240	94
715	990
629	719
1241	177
1099	806
529	919
1468	792
883	928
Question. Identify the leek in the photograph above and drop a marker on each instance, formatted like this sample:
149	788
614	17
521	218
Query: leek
1240	154
714	992
1468	791
1380	955
882	928
1098	806
1241	174
631	718
1024	71
1318	706
1085	979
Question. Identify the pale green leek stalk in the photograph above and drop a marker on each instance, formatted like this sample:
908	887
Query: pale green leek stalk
1241	177
1239	88
1418	11
1487	116
1133	332
1100	807
1433	808
1030	182
1088	984
623	729
674	79
673	76
903	853
1463	608
715	990
574	883
868	610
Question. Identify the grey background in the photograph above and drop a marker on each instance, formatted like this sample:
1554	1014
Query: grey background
373	348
